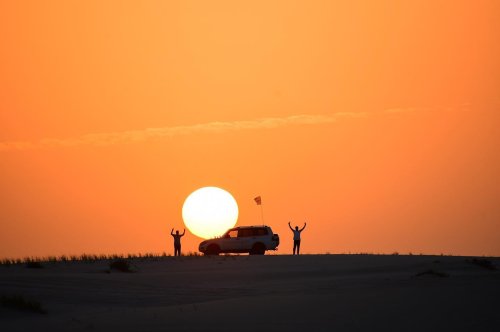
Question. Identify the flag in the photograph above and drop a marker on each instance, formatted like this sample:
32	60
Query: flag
258	200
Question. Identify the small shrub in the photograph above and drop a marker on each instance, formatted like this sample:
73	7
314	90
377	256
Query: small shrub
6	262
18	302
433	273
121	265
52	259
484	263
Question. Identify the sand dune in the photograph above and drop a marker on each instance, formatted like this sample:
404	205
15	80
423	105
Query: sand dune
249	293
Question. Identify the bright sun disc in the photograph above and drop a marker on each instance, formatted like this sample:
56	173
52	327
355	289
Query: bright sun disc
209	212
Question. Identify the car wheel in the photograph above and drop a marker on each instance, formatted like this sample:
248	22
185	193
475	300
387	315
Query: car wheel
258	249
212	250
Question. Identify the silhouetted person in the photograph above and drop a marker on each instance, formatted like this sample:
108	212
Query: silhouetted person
177	241
296	237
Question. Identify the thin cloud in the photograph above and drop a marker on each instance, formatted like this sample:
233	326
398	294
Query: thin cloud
406	110
461	108
123	137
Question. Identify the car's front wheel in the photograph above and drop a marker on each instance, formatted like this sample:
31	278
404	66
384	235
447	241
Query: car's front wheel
212	250
258	249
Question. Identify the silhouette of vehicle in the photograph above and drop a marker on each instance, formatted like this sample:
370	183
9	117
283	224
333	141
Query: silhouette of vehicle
252	239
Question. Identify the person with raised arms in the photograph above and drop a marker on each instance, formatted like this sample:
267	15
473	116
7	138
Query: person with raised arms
177	241
296	237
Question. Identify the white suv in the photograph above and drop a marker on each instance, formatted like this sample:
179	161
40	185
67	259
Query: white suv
252	239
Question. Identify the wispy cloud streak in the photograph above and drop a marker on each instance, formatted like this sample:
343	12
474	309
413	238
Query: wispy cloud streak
106	139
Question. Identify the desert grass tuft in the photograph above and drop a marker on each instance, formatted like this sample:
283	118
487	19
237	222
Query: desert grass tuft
484	263
121	265
7	262
433	273
18	302
34	265
192	254
88	258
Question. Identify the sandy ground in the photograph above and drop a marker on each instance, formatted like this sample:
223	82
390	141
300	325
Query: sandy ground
252	293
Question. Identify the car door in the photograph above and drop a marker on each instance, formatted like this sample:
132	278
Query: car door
246	238
229	242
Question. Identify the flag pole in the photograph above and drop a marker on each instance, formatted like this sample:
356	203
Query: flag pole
258	200
262	214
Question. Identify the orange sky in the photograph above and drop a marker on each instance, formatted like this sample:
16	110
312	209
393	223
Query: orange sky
375	121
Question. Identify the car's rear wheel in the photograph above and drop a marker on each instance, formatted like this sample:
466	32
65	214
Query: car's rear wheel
258	249
212	250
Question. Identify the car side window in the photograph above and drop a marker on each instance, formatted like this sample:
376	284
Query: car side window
245	233
261	231
232	234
